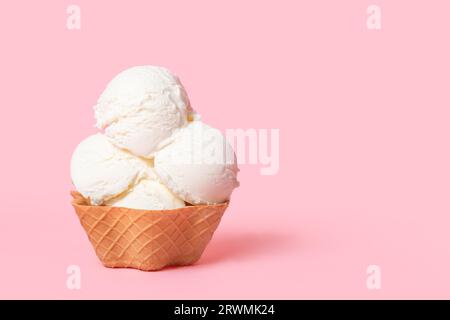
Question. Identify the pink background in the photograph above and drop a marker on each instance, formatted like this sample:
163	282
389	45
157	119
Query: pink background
364	143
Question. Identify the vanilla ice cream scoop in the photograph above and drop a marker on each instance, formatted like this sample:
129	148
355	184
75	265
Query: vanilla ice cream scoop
199	165
101	171
141	108
147	195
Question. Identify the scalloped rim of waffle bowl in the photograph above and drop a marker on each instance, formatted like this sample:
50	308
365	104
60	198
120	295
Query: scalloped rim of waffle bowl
81	201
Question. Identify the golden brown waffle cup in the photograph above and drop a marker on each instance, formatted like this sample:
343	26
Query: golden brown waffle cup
148	240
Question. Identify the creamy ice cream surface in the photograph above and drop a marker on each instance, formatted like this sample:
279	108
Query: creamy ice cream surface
148	194
141	108
199	165
101	171
154	153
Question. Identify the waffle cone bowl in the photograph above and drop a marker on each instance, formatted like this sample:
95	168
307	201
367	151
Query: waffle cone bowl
148	240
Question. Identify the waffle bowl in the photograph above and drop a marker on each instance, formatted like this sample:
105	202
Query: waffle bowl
148	240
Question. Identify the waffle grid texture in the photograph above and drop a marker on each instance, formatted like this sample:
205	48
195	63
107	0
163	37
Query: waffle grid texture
148	239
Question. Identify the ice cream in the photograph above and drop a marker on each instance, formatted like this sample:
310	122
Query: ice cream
134	179
147	118
141	108
101	171
147	195
199	165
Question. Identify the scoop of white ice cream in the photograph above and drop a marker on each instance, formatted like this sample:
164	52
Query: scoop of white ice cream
147	195
199	165
141	108
101	171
